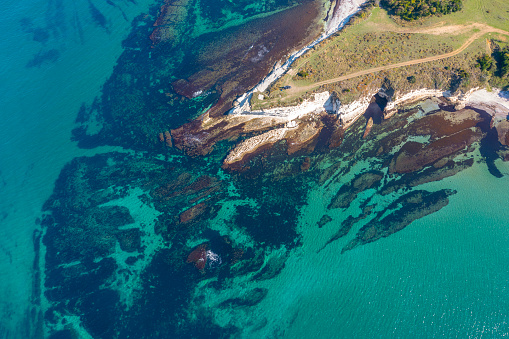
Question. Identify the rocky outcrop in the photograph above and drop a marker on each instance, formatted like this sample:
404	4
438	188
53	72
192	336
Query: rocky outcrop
361	182
369	125
503	132
449	132
252	145
305	135
405	210
199	136
302	139
198	257
172	13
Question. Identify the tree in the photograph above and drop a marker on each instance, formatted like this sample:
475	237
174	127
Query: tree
504	62
485	62
463	74
414	9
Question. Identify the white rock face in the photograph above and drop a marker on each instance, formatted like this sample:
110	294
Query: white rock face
495	102
346	9
318	103
250	145
414	95
338	20
349	113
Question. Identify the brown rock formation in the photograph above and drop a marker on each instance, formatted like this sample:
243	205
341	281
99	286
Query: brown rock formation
193	212
445	123
503	132
303	138
167	138
198	257
413	156
449	132
336	137
172	13
199	136
369	125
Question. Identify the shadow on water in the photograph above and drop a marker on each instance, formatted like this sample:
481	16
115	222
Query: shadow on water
41	58
375	109
489	144
98	17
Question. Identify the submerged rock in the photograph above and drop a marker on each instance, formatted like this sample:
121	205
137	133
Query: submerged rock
250	298
361	182
198	256
503	132
405	210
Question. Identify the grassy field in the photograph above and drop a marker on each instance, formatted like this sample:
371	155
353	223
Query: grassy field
490	12
377	40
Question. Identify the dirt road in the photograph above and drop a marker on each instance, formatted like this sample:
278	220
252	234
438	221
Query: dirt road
482	29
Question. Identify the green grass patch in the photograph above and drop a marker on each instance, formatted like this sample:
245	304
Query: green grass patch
376	40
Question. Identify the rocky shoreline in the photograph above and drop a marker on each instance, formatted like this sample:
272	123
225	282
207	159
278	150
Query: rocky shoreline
282	124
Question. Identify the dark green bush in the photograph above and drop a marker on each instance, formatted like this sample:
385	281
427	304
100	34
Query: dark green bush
415	9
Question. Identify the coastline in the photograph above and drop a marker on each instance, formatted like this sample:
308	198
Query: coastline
264	221
339	18
495	103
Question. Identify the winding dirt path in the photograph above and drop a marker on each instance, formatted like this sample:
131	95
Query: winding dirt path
483	29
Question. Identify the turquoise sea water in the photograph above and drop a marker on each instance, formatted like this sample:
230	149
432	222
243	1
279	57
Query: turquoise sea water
445	274
39	106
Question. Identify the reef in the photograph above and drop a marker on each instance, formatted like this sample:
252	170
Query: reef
404	210
172	14
372	185
348	193
172	71
119	222
159	242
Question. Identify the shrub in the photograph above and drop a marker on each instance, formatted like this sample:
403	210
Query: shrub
485	62
303	74
415	9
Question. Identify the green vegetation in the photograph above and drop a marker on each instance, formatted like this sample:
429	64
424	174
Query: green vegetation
490	12
414	9
463	74
375	39
485	61
504	62
303	74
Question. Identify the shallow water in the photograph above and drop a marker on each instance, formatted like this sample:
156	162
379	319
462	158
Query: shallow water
117	229
40	98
